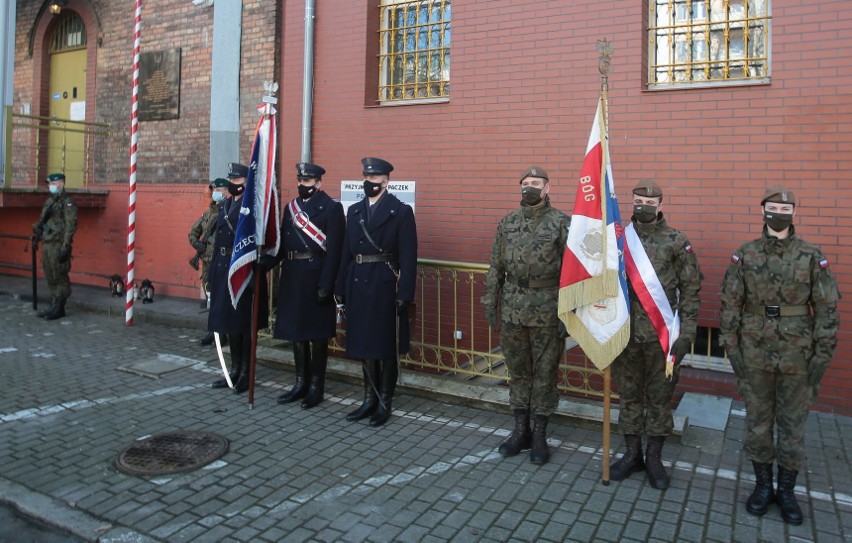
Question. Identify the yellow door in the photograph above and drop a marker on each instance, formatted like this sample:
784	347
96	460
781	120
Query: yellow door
66	149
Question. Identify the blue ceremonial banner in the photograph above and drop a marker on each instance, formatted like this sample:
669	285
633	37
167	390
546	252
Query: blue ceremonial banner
258	223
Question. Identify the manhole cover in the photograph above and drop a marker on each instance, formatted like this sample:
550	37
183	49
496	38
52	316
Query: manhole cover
173	452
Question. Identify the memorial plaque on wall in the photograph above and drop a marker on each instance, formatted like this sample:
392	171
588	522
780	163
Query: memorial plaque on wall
159	85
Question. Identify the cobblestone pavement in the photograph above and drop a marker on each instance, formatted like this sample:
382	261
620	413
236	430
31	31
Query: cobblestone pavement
431	474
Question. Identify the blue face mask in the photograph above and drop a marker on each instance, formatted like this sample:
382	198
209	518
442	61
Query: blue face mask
218	196
54	189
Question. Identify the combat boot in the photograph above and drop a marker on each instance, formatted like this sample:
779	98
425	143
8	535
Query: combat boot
383	411
319	362
47	309
785	497
657	475
371	399
764	494
300	388
207	340
521	438
539	453
58	311
236	362
631	461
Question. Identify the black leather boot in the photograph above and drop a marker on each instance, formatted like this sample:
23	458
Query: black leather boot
47	309
631	461
236	362
207	340
242	383
521	438
301	354
319	362
58	310
539	453
764	494
389	374
785	497
371	398
657	475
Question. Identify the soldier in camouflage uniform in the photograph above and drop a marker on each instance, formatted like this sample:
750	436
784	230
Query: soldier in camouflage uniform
640	370
55	228
526	260
202	237
779	328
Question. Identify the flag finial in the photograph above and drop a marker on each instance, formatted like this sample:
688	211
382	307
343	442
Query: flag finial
270	88
605	49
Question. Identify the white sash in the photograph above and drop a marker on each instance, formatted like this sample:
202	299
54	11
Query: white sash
301	220
651	294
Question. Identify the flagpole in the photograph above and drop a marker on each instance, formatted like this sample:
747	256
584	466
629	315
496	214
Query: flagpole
130	289
605	49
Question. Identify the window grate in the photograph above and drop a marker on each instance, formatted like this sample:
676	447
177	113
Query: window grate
708	41
70	34
414	58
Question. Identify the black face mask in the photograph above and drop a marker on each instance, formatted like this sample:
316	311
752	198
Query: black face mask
777	221
306	192
531	196
372	189
645	213
235	189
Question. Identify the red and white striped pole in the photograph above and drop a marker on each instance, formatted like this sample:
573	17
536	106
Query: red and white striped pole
134	140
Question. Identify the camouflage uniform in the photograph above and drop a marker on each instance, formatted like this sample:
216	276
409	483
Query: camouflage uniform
639	370
768	275
527	251
57	224
204	230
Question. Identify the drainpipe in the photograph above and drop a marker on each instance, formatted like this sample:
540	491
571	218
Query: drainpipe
308	82
7	77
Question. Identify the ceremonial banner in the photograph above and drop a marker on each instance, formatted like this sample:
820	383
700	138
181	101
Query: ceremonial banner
258	225
593	301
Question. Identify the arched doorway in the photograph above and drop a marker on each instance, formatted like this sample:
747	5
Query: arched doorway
67	99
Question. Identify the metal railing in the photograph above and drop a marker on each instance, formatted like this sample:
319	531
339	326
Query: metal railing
450	337
27	148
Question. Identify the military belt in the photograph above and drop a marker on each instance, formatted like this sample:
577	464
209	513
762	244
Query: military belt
778	310
533	283
364	259
303	255
224	251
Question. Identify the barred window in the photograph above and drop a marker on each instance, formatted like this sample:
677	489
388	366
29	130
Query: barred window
69	35
708	41
414	57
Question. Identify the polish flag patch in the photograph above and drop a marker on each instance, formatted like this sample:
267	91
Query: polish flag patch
735	258
823	263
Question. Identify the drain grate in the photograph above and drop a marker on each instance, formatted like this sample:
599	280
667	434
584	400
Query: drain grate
173	452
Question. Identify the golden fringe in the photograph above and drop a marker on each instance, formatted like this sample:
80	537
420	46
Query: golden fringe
600	355
588	291
669	369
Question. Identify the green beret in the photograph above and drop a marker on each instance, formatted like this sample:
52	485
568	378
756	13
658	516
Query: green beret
219	182
55	177
648	189
778	195
535	171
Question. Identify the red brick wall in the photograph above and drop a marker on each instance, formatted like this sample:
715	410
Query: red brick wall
524	87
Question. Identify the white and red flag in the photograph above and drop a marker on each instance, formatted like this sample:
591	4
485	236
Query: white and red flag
258	228
593	300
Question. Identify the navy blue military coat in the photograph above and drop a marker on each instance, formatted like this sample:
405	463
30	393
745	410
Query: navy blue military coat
371	289
298	315
223	318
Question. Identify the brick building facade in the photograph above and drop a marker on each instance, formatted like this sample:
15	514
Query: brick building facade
524	84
